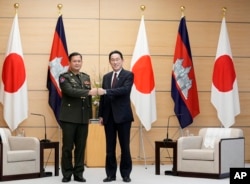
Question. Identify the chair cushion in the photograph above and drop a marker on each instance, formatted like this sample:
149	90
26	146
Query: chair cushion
21	155
198	154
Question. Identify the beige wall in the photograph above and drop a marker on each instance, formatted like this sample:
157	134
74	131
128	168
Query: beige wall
95	27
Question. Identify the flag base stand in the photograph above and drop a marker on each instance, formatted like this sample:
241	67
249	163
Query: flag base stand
168	172
141	146
46	174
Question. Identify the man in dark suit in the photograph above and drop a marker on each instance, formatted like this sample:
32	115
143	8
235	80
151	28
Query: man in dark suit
116	115
75	113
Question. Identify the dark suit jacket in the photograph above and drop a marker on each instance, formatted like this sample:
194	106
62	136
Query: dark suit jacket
76	103
117	99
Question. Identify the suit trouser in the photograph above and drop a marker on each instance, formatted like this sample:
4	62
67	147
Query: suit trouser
123	131
74	137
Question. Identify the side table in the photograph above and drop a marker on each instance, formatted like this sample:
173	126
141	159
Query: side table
165	144
49	145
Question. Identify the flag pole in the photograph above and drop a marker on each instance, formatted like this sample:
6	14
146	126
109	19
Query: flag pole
142	7
182	11
141	141
16	6
59	6
182	15
224	9
141	94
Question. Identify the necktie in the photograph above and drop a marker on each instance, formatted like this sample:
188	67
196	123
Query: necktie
79	79
114	80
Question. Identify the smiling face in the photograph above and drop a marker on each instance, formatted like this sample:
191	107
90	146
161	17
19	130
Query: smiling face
75	63
116	61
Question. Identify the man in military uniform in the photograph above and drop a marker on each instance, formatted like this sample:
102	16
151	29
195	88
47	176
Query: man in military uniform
75	113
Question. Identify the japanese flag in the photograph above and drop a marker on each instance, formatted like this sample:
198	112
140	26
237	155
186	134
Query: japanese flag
13	92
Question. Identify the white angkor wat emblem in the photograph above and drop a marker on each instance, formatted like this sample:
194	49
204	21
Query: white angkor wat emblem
181	76
56	68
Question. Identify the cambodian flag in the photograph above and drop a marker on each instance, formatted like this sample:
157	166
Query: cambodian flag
184	89
14	92
58	63
224	92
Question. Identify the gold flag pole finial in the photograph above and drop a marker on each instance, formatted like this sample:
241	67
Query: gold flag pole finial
182	10
16	6
224	9
59	6
142	7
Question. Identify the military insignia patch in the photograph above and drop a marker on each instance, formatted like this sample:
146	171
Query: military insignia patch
62	79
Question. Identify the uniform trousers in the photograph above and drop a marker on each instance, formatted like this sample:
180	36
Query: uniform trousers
74	137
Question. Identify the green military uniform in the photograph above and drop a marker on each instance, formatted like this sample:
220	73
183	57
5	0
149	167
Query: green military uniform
75	113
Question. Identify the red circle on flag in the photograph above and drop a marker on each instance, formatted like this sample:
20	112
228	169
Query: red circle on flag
224	74
13	75
143	75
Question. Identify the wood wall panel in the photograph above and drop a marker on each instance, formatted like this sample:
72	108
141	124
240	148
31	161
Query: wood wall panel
113	33
35	73
242	71
170	10
82	35
96	27
33	34
47	8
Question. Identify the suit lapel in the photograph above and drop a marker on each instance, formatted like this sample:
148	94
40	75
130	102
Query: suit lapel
120	77
109	80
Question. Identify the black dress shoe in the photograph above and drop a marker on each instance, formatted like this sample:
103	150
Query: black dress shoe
126	179
109	179
66	179
79	178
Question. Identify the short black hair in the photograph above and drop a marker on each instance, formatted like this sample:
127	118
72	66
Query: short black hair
115	52
74	54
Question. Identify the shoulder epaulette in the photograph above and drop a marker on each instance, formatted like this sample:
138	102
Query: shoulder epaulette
65	74
84	74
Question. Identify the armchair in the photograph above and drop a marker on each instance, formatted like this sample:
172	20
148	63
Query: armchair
211	154
19	156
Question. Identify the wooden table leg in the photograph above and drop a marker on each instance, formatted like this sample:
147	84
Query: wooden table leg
157	159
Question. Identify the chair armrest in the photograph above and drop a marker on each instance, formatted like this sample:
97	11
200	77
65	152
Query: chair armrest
24	143
232	153
190	142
